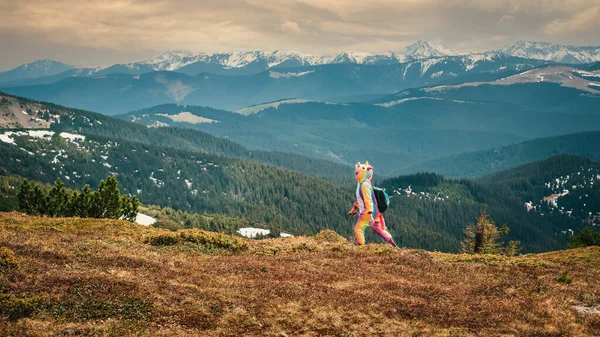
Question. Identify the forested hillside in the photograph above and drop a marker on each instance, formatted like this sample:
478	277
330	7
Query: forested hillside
192	171
479	163
406	130
64	119
289	201
395	136
510	197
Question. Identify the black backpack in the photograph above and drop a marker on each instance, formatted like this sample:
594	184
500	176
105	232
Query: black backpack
383	200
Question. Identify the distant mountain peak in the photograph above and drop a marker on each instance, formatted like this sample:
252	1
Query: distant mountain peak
171	60
172	54
426	49
552	52
34	69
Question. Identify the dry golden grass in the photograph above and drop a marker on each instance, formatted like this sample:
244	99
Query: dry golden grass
82	277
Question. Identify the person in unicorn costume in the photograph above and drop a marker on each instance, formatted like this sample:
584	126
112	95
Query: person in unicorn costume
366	207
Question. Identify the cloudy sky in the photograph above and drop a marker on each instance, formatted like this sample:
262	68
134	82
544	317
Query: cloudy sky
95	32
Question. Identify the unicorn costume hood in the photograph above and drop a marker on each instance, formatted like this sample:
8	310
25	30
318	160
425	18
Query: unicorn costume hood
363	172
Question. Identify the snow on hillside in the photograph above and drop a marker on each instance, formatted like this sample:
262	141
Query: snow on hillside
565	76
573	195
426	49
172	60
144	220
7	136
553	52
420	50
277	75
72	136
188	117
258	108
251	232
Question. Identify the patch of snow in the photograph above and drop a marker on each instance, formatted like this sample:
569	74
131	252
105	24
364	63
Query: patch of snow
144	220
437	74
587	74
72	136
187	117
586	310
158	124
40	133
392	103
277	75
257	108
28	152
251	232
6	138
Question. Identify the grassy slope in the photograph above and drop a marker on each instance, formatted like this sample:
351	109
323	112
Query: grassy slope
98	277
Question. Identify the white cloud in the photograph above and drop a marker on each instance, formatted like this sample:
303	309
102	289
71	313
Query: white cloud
584	21
506	18
291	27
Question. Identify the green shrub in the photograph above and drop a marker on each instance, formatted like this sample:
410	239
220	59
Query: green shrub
8	260
586	237
13	308
329	236
563	278
214	240
209	241
163	240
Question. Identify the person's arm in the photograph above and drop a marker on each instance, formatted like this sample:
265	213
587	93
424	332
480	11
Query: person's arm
353	210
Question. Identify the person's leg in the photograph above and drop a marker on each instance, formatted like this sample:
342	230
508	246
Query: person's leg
379	228
359	229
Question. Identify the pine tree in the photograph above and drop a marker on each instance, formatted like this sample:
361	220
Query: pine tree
586	237
26	198
74	207
39	201
58	200
86	202
108	199
484	237
467	246
129	208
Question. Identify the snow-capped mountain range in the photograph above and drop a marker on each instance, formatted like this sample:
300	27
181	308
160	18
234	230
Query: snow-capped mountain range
553	52
255	61
173	60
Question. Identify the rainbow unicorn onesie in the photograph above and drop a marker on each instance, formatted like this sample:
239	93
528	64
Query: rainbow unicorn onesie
366	207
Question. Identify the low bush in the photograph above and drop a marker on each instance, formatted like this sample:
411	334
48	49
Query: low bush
208	240
8	260
563	278
329	236
13	308
162	240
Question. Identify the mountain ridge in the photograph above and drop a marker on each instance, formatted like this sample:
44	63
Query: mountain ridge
485	162
121	93
553	52
222	62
